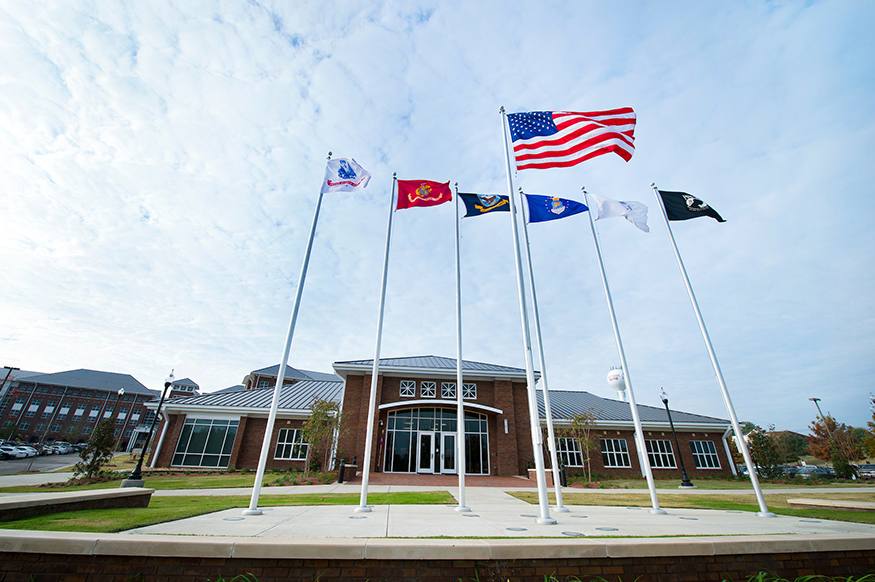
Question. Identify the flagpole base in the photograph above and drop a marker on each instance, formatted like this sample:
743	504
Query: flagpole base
251	512
362	509
462	508
765	514
546	521
563	509
657	511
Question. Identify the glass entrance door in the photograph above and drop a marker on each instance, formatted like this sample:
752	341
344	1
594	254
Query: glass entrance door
448	452
425	451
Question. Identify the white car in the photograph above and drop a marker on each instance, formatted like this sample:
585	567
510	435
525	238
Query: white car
12	452
28	451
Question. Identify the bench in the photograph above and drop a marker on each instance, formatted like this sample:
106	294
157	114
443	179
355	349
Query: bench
22	505
831	504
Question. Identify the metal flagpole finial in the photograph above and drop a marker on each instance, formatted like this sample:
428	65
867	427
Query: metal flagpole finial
329	155
501	109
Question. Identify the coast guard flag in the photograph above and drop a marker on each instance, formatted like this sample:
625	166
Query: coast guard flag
543	208
683	206
422	193
558	139
344	175
480	204
634	212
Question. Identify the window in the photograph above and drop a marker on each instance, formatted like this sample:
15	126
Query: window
129	432
63	413
71	428
24	425
428	389
568	451
615	453
660	454
290	445
41	427
469	391
115	432
408	388
262	384
705	455
31	410
205	442
56	428
86	430
448	389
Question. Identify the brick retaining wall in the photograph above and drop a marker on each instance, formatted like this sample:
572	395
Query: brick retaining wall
53	556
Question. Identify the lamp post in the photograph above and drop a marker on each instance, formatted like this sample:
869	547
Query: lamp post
135	479
121	392
685	481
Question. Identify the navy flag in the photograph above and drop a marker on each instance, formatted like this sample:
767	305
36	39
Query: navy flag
480	204
543	208
683	206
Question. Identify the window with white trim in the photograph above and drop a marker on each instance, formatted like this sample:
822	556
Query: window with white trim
448	389
428	389
469	391
615	453
41	427
408	388
660	454
56	428
205	442
569	453
290	445
24	425
705	454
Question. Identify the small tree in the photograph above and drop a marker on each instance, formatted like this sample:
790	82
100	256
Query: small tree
7	431
321	430
580	429
829	437
764	450
791	446
98	452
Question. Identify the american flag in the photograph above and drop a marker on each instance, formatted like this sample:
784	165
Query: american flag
558	139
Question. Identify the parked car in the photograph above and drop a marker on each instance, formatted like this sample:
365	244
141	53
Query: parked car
867	471
815	472
11	452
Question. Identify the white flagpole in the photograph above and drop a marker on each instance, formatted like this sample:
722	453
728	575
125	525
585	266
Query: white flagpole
739	437
527	346
460	405
632	404
372	404
554	458
271	418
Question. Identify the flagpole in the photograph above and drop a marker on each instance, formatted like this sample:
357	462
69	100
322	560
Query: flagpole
372	404
639	432
527	346
274	405
460	405
554	458
739	437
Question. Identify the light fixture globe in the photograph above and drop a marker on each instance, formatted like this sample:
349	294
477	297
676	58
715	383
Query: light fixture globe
617	379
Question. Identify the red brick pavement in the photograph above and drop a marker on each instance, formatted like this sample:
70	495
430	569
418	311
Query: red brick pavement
443	480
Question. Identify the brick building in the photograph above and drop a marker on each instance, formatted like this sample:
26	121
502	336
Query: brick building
67	405
415	423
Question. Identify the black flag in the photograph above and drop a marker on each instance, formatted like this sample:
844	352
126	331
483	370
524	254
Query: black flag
683	206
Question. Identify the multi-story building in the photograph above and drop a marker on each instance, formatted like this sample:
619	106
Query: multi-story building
67	405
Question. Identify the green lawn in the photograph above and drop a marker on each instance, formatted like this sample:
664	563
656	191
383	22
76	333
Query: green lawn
163	509
721	484
777	503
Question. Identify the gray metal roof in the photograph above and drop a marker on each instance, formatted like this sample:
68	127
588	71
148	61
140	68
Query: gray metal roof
92	379
292	397
433	363
235	388
296	374
565	404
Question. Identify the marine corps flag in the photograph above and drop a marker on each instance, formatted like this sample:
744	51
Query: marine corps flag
683	206
480	204
422	193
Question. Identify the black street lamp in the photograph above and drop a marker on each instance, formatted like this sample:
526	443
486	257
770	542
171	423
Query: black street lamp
135	479
685	481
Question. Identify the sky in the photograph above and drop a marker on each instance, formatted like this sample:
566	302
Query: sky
160	164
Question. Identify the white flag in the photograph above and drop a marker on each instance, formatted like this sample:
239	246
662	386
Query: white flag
344	175
634	212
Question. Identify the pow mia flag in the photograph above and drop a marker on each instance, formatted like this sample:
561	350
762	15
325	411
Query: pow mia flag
683	206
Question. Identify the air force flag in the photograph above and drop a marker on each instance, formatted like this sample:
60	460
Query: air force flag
344	175
543	208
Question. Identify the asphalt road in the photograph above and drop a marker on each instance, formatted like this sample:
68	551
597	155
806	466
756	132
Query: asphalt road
43	464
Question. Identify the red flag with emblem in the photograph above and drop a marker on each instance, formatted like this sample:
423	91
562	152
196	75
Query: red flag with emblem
413	193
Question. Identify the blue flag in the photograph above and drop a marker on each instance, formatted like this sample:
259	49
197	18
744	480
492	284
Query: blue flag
543	208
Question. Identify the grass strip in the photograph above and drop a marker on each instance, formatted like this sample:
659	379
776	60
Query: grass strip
777	503
164	509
